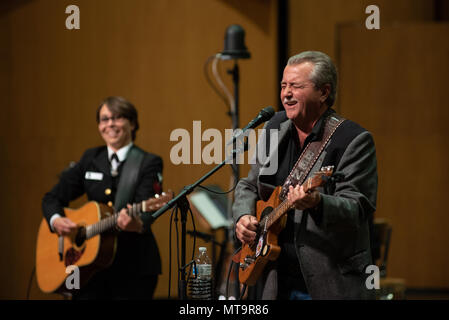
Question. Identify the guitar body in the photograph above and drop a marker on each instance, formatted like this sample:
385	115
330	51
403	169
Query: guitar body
89	255
271	215
254	257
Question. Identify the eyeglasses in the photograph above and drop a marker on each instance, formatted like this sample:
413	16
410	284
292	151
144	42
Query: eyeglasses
116	118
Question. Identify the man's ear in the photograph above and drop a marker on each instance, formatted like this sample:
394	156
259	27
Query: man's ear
325	92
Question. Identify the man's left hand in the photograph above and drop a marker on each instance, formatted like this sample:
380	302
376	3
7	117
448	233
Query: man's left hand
302	200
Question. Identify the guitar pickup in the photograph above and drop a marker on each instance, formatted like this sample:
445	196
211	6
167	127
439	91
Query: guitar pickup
249	260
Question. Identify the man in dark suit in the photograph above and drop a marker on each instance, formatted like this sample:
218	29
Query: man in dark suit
325	245
137	263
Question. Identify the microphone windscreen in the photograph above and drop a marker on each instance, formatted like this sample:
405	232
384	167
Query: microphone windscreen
267	113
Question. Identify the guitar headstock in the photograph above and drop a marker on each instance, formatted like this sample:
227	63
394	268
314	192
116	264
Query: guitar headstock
319	178
157	202
325	171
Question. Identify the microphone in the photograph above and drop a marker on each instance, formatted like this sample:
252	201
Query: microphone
264	115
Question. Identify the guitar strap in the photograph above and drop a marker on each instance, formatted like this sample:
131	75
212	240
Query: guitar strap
128	178
310	155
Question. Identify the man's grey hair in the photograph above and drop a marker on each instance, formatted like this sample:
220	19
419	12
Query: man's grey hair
324	71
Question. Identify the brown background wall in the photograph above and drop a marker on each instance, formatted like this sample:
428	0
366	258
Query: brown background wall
392	82
152	52
307	32
408	117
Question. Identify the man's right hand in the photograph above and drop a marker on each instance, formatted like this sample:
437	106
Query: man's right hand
246	228
64	226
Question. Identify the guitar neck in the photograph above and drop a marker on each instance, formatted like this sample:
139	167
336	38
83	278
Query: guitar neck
276	214
285	206
111	221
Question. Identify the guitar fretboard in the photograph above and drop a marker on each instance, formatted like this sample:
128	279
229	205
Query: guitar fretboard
285	206
110	222
276	214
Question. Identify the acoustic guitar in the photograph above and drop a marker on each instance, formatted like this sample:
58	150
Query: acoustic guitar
252	258
91	247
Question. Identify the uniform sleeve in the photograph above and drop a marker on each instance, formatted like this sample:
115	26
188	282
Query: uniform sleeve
149	183
69	187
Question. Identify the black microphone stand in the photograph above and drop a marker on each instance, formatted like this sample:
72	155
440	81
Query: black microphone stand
235	79
181	202
235	113
235	167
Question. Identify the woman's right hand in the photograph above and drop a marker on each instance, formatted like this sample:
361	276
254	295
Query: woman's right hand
64	226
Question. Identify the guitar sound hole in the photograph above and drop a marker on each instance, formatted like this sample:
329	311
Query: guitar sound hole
265	212
80	236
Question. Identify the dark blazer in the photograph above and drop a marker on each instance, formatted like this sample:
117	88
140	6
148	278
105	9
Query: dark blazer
333	241
136	253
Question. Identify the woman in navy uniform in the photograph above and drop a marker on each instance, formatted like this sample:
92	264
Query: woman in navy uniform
137	263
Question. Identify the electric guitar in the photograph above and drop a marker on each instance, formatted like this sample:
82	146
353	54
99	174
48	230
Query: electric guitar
91	247
252	258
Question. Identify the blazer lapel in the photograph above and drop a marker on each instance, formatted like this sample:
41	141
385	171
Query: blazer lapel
268	166
274	155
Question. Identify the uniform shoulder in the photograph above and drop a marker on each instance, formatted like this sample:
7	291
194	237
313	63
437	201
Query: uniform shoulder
152	157
92	152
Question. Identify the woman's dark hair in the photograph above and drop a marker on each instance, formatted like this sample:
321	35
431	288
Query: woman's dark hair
119	106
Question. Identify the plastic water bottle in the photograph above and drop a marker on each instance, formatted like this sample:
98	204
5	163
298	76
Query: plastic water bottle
204	264
201	282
